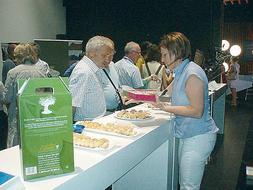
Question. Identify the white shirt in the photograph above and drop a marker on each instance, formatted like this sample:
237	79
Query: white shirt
43	66
111	97
129	74
86	90
153	66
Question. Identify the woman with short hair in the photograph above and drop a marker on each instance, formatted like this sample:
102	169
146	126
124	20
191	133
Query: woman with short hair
194	127
25	58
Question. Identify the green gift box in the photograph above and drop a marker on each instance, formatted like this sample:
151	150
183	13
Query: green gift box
45	124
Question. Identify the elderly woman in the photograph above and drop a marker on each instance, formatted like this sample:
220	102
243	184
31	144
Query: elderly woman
25	59
194	127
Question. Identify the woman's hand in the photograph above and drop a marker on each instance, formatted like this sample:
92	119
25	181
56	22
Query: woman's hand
154	78
161	105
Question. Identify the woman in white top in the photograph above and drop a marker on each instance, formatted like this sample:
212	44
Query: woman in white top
152	66
233	77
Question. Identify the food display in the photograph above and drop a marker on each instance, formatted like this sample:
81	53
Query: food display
89	142
133	114
118	128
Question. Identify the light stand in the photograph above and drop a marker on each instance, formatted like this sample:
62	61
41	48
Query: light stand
222	55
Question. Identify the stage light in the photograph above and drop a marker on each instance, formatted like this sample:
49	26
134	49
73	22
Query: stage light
225	66
224	45
235	50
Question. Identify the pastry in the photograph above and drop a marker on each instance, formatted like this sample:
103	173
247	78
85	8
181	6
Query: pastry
123	129
86	141
133	114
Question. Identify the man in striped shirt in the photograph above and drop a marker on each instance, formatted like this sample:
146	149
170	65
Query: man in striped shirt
88	100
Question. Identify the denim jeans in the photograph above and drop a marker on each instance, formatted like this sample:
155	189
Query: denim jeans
192	155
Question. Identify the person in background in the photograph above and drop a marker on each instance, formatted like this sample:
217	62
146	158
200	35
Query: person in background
141	60
167	78
194	127
3	121
9	62
152	66
223	74
128	72
40	63
25	58
233	72
88	99
72	65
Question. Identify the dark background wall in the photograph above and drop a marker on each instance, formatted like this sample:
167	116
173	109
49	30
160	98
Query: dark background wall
140	20
238	29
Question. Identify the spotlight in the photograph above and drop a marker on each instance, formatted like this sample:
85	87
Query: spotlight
235	50
225	66
224	45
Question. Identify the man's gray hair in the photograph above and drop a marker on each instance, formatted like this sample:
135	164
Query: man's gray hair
129	47
96	42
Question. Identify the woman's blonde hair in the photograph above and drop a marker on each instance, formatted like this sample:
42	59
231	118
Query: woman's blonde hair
24	54
177	44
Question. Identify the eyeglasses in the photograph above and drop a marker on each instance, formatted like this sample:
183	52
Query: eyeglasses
138	52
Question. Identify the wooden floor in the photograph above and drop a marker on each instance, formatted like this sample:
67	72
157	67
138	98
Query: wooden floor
226	169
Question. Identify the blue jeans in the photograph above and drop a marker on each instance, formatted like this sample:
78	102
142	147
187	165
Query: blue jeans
192	155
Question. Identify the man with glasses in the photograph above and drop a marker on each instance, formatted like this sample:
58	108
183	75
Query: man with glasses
128	72
88	99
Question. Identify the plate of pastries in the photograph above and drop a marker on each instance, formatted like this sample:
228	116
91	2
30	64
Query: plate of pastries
134	115
116	128
89	142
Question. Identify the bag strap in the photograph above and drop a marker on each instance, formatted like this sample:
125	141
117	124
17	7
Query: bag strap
117	91
147	67
158	70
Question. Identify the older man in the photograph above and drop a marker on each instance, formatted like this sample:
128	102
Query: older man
129	73
88	99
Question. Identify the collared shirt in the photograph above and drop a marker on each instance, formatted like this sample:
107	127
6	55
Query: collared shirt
44	67
86	90
186	127
111	97
128	73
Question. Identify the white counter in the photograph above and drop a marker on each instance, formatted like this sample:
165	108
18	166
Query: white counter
217	105
144	162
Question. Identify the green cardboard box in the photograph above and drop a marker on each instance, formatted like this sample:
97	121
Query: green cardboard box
45	123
